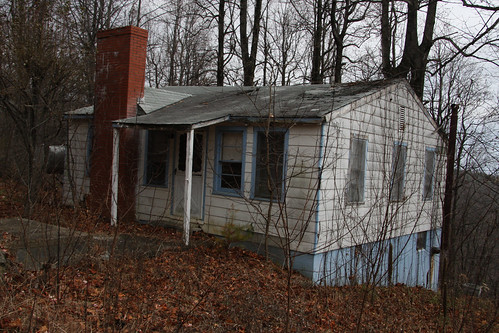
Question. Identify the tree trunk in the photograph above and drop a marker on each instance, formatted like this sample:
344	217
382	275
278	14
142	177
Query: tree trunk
316	75
338	64
173	51
415	56
447	210
221	37
249	57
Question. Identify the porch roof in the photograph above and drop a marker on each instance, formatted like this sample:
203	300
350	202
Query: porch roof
210	105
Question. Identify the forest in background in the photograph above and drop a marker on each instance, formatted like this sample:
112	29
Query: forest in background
47	65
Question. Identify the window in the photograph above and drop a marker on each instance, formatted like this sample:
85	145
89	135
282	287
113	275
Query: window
229	160
421	240
429	171
197	154
156	169
269	163
398	172
357	170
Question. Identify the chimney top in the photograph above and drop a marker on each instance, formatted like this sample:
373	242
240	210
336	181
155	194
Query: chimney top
122	31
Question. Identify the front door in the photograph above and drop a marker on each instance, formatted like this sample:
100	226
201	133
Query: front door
197	175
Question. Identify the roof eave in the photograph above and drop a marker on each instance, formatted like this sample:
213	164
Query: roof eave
288	120
126	123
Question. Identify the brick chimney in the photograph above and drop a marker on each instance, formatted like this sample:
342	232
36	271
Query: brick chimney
119	83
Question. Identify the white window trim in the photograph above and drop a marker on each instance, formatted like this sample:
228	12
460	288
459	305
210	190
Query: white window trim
401	194
363	194
429	197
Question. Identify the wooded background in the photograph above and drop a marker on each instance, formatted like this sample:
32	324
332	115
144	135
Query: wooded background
447	51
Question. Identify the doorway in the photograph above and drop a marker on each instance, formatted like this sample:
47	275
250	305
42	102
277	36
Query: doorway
197	175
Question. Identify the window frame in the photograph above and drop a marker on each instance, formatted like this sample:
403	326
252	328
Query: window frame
146	181
421	238
395	168
349	189
256	131
429	196
217	179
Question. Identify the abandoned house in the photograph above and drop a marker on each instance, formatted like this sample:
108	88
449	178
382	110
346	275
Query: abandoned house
345	179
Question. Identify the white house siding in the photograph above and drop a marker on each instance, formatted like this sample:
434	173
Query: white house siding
76	178
154	202
249	213
374	222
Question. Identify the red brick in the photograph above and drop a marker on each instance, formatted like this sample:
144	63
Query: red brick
119	82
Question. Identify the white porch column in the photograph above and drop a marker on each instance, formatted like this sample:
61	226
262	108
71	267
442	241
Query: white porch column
114	176
188	184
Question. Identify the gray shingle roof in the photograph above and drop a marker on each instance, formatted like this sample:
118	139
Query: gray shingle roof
195	106
305	103
155	99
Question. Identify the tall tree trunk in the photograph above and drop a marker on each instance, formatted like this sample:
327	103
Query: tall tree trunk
386	37
265	49
415	56
173	51
139	5
221	37
338	63
316	74
249	57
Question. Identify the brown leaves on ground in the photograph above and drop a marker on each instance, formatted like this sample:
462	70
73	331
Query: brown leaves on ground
208	288
211	289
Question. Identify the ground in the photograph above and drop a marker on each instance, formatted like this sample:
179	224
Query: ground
207	287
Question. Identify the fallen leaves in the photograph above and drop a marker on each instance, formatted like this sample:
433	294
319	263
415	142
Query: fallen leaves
208	288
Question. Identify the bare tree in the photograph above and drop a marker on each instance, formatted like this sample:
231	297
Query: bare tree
283	47
472	255
476	41
36	82
180	51
407	54
83	20
415	53
248	55
223	13
343	15
334	26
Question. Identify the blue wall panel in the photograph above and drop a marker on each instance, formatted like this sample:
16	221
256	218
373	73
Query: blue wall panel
369	263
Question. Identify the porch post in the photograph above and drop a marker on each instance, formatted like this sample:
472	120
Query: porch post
188	184
114	176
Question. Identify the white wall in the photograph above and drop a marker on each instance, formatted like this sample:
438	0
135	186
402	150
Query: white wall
376	219
76	180
298	221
